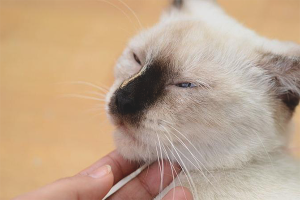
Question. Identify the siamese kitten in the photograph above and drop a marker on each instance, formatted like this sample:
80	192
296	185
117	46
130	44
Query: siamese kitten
201	90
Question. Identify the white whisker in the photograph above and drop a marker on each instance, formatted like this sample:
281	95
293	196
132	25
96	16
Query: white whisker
268	155
132	11
101	88
121	10
161	178
191	182
191	145
173	168
184	170
82	97
100	108
194	157
159	164
96	93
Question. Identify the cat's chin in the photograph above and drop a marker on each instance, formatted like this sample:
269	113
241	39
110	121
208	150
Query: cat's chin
129	146
127	134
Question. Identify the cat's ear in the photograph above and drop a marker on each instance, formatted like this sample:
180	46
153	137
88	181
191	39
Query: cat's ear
178	8
179	4
281	60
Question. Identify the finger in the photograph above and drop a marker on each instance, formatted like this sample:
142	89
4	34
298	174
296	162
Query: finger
92	186
147	184
179	193
120	167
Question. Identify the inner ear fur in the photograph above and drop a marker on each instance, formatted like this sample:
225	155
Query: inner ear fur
178	3
285	72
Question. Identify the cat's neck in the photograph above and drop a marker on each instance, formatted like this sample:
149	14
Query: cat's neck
217	158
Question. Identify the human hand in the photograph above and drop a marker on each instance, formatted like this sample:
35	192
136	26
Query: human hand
95	182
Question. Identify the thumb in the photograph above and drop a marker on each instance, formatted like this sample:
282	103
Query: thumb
83	186
88	186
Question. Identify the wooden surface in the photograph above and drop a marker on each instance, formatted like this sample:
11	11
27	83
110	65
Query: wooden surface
46	44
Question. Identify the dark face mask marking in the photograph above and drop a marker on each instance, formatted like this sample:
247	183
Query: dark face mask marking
132	99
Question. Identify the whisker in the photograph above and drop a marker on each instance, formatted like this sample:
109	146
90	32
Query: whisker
103	89
160	167
82	97
173	168
96	93
102	108
121	10
268	155
191	182
147	170
197	161
132	11
161	178
173	178
91	118
184	170
190	143
97	115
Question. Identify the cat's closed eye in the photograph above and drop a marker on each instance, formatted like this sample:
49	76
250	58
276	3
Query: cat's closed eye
136	58
186	85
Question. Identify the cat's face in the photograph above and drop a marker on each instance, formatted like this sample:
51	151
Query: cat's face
184	90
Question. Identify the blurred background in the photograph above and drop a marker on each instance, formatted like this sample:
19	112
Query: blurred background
52	50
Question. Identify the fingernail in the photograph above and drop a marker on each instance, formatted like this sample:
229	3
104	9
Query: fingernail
101	172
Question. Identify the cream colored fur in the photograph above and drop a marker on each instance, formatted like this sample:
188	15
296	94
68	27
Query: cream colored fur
231	132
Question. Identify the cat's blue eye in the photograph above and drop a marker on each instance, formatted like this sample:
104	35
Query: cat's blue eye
186	85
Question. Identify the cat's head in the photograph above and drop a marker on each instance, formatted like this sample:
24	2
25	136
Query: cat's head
200	88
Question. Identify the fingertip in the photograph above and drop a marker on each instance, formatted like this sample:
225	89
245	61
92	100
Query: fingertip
101	172
94	185
110	178
105	182
179	193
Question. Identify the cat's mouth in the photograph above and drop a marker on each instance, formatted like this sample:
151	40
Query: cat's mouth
123	128
126	131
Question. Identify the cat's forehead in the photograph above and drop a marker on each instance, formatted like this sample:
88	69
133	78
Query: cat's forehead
171	38
191	48
177	42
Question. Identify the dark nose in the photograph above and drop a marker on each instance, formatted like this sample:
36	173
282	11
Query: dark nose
125	102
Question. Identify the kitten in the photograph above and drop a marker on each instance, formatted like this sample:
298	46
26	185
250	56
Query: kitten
201	90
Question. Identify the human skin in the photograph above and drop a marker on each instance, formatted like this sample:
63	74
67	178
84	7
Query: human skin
96	181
